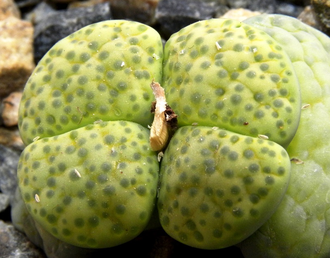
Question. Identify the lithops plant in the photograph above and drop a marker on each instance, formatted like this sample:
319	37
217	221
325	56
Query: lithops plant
269	78
101	72
217	184
251	102
300	226
87	182
228	74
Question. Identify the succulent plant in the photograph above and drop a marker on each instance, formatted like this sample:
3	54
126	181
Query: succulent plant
101	72
300	226
217	184
92	183
246	166
210	81
228	74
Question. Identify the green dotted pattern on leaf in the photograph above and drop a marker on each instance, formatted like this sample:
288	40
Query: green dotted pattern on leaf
92	187
217	186
102	71
300	227
224	73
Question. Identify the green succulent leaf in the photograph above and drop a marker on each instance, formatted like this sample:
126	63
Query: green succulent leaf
91	187
300	227
224	73
101	72
218	187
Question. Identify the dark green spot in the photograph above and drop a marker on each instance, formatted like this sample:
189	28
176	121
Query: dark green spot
59	74
264	67
109	139
254	168
228	203
269	180
238	212
238	47
198	236
70	55
262	191
141	190
254	198
217	233
248	154
235	189
251	74
109	190
204	207
233	155
79	222
82	152
51	218
51	182
124	182
229	173
93	221
84	57
275	78
236	99
67	200
184	211
120	209
281	171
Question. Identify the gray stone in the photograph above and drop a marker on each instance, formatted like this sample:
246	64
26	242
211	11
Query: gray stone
289	9
23	221
8	167
14	244
238	4
27	4
39	13
136	10
297	2
60	24
173	15
4	202
266	6
322	14
292	8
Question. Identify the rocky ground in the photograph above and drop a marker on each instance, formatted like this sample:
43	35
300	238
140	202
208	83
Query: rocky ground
29	28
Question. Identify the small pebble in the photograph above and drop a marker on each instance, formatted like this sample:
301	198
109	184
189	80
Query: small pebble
16	55
8	166
239	14
8	8
14	244
10	110
4	201
137	10
59	24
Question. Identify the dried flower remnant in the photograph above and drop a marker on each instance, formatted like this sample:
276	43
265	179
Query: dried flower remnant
164	121
297	161
305	106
